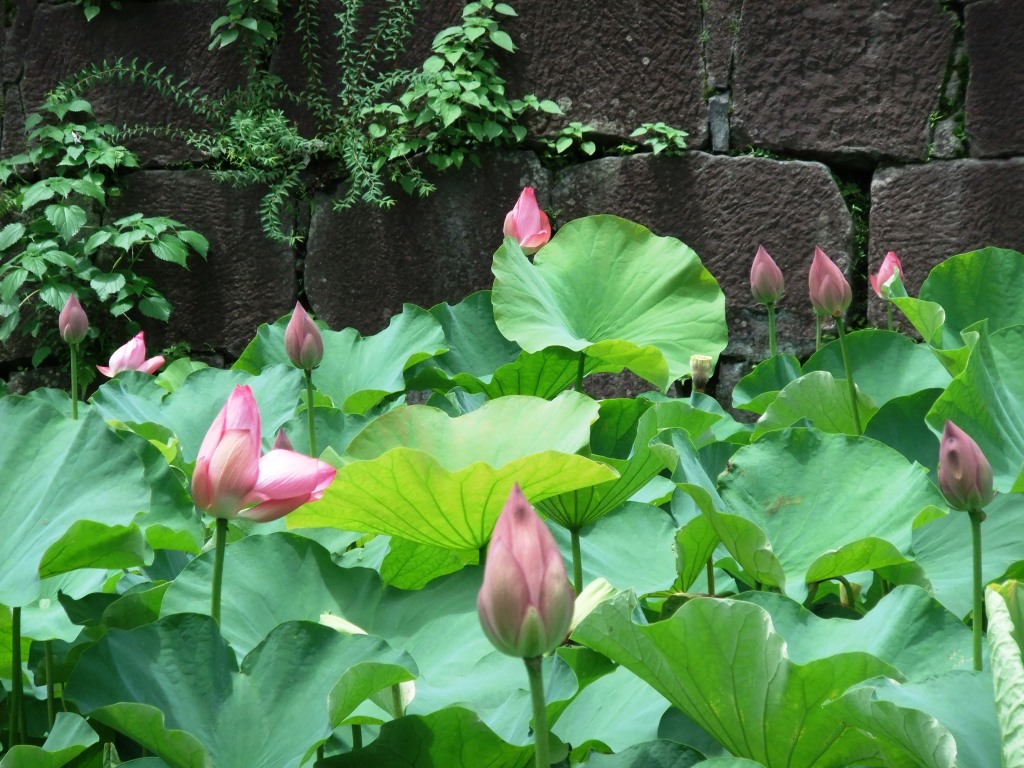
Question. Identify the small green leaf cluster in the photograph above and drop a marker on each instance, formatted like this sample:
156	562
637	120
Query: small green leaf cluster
662	138
58	241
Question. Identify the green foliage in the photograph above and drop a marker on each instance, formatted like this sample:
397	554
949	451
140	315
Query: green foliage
58	241
662	138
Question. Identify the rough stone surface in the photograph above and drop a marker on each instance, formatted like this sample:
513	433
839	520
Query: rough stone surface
246	280
363	264
718	122
723	207
49	43
929	212
853	80
613	65
993	30
721	24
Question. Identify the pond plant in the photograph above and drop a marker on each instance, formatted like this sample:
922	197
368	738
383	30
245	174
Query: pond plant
801	590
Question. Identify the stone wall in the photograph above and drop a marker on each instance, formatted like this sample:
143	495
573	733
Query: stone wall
862	126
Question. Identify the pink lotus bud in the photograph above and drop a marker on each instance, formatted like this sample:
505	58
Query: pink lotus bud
131	357
890	266
232	480
765	278
830	293
72	322
965	476
527	223
302	340
525	603
282	441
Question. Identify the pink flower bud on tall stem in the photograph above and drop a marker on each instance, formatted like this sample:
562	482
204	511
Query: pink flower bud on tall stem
302	340
829	290
72	321
527	223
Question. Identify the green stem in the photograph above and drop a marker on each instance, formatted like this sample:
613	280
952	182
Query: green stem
849	591
74	381
540	715
51	701
320	753
888	307
977	616
221	538
771	328
15	729
577	561
812	591
579	372
396	700
309	414
849	375
817	332
711	571
357	737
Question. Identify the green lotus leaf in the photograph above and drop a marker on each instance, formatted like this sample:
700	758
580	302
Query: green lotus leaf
759	388
144	683
820	399
411	565
653	754
612	289
419	474
1005	608
886	365
900	424
70	737
725	666
792	516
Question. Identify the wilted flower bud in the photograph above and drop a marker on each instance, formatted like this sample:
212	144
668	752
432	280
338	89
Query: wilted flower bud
830	293
701	368
765	278
527	223
525	603
890	266
302	340
72	322
965	476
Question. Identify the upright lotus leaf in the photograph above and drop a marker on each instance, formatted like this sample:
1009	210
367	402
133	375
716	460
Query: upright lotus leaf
453	737
987	284
71	492
1005	608
809	506
886	365
411	565
417	473
612	289
542	374
987	402
723	663
186	413
70	737
176	689
900	424
759	388
820	399
945	721
357	372
624	438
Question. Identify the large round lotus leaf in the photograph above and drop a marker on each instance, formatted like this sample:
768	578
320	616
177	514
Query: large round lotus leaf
725	666
176	688
613	289
979	285
72	490
357	372
987	402
417	473
820	399
885	365
803	506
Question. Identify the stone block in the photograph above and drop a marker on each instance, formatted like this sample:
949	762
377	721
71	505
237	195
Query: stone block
993	30
246	279
927	213
363	263
723	207
854	81
50	43
721	24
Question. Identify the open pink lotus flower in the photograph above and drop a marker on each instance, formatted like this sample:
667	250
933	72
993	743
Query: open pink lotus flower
527	223
131	357
525	603
231	479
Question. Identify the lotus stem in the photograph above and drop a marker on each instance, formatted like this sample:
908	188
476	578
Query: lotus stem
357	737
771	329
977	615
540	715
74	381
849	591
817	332
888	311
309	414
711	571
15	717
849	375
579	371
220	541
51	702
396	700
577	561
